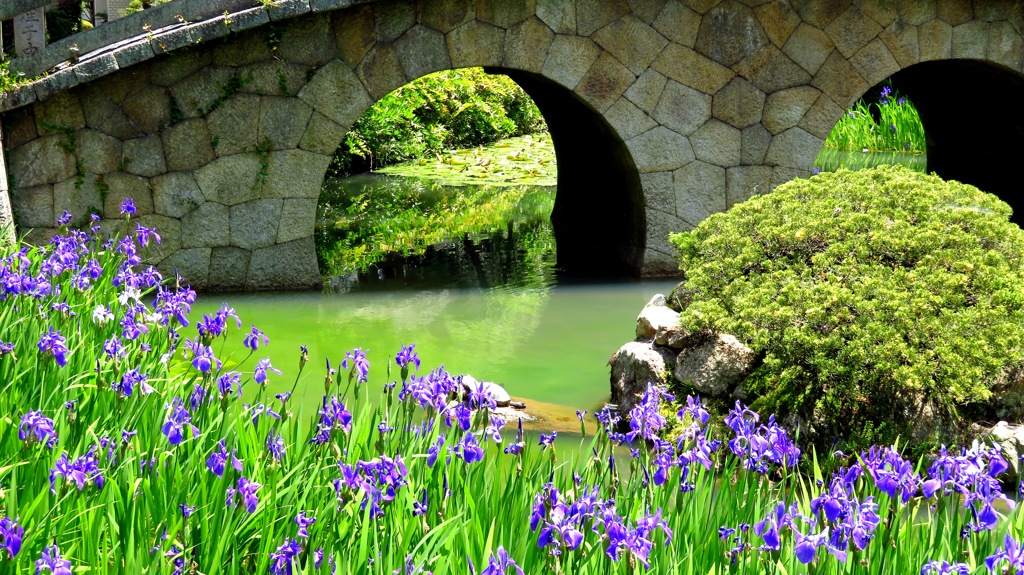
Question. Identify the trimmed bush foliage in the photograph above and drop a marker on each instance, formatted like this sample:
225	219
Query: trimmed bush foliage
428	116
877	298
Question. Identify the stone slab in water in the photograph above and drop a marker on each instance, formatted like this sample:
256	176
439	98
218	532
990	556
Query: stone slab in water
497	392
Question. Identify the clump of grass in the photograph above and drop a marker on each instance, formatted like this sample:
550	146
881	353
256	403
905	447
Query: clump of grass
890	125
130	444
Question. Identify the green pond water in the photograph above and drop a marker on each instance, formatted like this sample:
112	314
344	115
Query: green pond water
547	345
457	256
830	160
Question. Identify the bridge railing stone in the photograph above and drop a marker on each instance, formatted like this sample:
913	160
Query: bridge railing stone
131	26
125	41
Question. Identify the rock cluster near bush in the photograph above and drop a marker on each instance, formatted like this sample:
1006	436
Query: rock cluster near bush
715	365
860	308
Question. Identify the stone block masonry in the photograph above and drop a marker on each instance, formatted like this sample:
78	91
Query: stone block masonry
222	125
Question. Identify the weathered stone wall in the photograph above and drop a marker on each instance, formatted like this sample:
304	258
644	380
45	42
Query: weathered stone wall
224	141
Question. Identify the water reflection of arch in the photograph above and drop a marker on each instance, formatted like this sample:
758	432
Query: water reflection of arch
598	218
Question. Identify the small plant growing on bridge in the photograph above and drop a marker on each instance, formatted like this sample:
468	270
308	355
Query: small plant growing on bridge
875	297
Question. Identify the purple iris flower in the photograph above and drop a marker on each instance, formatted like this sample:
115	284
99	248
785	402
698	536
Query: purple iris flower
359	364
197	397
10	535
407	356
462	415
6	348
516	447
770	528
259	409
261	369
37	427
132	378
1011	552
470	449
177	420
420	507
893	475
51	561
228	383
114	349
82	471
175	305
187	510
318	557
282	560
210	327
219	458
227	312
561	528
204	360
501	564
253	338
807	545
945	568
53	343
547	439
145	235
493	428
275	445
64	218
434	450
304	521
379	480
128	207
645	419
480	396
247	491
333	415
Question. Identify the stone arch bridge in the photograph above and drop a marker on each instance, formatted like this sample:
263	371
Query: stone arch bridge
220	116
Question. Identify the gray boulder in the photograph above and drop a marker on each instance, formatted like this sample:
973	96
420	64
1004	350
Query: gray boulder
1011	441
679	298
633	367
660	323
716	366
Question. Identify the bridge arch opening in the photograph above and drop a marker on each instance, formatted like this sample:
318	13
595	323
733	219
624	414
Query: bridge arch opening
598	218
973	123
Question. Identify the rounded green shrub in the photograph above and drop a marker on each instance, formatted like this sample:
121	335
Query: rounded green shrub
883	302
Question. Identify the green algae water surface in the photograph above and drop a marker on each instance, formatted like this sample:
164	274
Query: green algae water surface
549	346
457	257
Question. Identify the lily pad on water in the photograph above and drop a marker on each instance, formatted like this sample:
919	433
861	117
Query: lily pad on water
525	160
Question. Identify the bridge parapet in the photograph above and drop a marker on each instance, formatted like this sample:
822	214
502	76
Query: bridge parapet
143	35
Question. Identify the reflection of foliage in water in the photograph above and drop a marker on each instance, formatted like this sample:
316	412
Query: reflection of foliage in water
366	220
830	160
506	319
